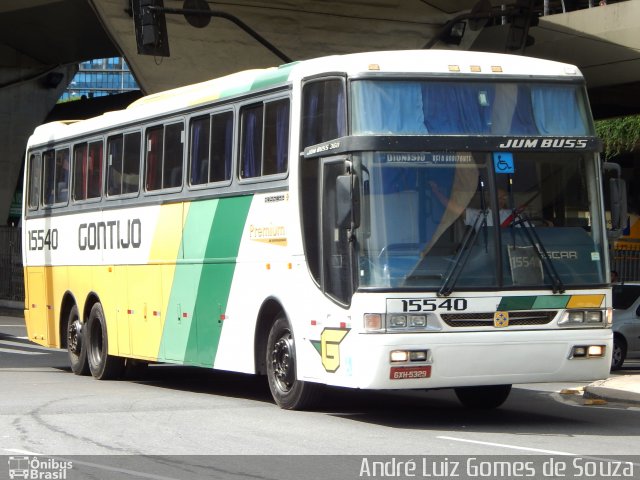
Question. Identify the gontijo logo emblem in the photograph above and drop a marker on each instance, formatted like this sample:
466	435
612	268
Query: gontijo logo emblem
501	319
329	347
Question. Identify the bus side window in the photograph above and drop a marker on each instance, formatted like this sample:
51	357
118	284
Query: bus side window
323	114
123	164
276	137
49	161
153	169
251	141
131	163
79	172
94	170
62	176
221	146
173	154
199	152
35	177
114	165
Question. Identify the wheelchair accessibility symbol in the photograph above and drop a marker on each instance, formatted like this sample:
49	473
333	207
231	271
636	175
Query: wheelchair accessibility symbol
503	162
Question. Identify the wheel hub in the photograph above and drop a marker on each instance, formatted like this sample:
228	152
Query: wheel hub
74	339
282	362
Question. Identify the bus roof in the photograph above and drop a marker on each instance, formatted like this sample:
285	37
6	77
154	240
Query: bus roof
451	62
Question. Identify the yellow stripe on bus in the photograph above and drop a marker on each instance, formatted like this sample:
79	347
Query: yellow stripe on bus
585	301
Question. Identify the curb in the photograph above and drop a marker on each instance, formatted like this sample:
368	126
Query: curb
619	389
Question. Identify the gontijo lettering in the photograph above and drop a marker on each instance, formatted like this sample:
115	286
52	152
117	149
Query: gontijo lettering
110	235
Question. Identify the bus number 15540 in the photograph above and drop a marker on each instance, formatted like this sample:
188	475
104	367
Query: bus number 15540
43	239
433	304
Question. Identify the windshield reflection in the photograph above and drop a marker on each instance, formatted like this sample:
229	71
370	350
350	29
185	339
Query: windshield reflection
447	221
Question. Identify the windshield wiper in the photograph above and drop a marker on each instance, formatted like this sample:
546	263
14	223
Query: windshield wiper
529	229
463	253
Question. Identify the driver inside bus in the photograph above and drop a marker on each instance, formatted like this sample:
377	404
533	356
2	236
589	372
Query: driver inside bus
505	213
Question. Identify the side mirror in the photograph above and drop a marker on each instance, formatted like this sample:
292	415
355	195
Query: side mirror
347	201
617	200
343	201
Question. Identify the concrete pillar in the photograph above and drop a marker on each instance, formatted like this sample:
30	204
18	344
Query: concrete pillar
27	95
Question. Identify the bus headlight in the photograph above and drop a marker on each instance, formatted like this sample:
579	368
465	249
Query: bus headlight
400	322
397	321
582	318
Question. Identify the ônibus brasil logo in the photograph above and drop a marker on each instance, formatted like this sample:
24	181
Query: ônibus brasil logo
38	468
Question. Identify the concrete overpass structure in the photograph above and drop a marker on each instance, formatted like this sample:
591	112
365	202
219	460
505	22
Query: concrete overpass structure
41	42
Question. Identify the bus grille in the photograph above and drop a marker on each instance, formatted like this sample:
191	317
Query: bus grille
485	319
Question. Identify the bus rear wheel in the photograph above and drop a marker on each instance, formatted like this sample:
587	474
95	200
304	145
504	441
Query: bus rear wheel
76	344
484	397
102	365
287	391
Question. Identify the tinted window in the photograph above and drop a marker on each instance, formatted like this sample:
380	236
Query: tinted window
87	171
164	157
56	177
251	146
625	295
323	111
264	139
211	148
35	176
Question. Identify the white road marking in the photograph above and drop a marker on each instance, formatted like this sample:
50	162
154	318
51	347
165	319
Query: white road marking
27	345
20	352
536	450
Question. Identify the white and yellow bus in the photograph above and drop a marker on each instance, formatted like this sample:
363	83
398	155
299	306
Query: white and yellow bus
384	220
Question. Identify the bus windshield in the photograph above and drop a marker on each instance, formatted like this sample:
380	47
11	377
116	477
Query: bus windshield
426	214
419	107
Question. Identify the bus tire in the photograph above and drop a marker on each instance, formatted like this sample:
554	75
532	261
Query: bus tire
287	391
484	397
76	343
619	352
102	365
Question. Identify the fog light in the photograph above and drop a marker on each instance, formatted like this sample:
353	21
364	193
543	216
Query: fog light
418	356
399	356
596	351
372	321
588	351
579	352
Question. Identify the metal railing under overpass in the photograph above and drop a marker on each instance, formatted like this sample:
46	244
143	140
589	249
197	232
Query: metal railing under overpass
11	274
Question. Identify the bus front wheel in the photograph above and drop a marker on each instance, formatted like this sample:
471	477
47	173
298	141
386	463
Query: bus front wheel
287	391
484	397
76	344
102	365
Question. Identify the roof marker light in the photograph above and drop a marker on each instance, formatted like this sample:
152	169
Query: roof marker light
374	66
454	68
496	69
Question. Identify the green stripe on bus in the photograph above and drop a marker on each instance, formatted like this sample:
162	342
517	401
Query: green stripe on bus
272	77
516	303
201	284
552	301
532	302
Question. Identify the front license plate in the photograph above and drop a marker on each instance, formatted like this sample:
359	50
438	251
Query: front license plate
408	373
